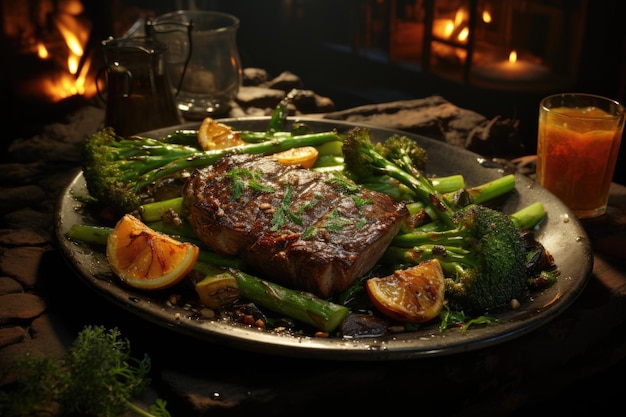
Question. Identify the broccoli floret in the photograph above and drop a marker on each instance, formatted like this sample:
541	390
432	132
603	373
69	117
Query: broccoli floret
484	258
114	166
404	152
364	160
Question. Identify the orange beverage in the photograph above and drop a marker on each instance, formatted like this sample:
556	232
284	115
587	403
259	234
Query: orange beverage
577	146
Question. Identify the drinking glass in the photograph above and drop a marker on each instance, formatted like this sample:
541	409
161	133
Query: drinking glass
578	142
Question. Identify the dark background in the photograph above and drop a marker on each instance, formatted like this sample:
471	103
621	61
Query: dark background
281	35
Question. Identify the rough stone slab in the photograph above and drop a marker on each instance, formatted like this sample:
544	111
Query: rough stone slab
259	97
22	263
436	118
20	306
28	218
285	81
20	197
10	335
22	237
10	286
19	174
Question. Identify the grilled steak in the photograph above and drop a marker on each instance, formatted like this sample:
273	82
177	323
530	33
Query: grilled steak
303	229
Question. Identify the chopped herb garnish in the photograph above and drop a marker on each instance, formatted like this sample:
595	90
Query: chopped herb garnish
310	231
343	183
284	212
310	204
336	222
361	202
244	178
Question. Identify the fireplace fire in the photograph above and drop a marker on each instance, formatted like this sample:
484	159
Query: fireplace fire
48	43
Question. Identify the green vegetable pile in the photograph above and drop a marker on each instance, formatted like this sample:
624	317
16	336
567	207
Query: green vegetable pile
486	255
480	249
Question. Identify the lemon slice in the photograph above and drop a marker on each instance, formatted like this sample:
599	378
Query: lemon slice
414	295
214	135
304	155
146	259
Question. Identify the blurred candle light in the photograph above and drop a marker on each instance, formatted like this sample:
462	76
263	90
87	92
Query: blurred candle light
512	69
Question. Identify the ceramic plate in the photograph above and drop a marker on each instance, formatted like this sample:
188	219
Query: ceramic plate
561	233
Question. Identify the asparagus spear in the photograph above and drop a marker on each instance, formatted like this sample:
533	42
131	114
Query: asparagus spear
300	305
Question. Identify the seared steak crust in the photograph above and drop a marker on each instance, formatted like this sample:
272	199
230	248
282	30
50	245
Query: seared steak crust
292	226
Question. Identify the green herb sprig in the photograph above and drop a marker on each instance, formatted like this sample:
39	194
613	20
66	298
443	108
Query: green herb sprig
97	377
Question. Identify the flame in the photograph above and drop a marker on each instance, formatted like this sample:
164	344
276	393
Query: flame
463	35
486	15
456	28
68	29
70	79
42	51
460	17
513	56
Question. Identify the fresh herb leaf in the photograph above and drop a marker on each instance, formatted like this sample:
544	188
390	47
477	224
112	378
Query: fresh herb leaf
309	232
284	211
344	183
243	179
309	204
336	222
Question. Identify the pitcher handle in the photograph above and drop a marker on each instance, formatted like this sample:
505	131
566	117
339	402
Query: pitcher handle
149	28
128	85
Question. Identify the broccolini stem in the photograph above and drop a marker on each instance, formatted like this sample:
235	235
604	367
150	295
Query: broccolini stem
252	136
94	235
152	212
524	219
529	216
280	113
416	182
203	159
449	183
492	189
450	257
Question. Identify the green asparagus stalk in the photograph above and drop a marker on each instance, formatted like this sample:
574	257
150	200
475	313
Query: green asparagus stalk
93	235
492	189
152	212
302	306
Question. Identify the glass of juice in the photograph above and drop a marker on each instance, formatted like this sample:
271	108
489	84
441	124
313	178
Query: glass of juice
577	146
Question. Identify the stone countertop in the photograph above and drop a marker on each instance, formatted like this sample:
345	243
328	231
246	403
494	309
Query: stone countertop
569	365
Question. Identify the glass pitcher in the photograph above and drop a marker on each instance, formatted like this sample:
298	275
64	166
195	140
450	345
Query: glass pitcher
139	96
202	58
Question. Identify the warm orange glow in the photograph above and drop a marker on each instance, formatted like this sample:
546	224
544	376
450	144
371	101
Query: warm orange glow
68	28
460	18
448	29
486	16
42	52
72	63
62	85
456	28
513	56
463	35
